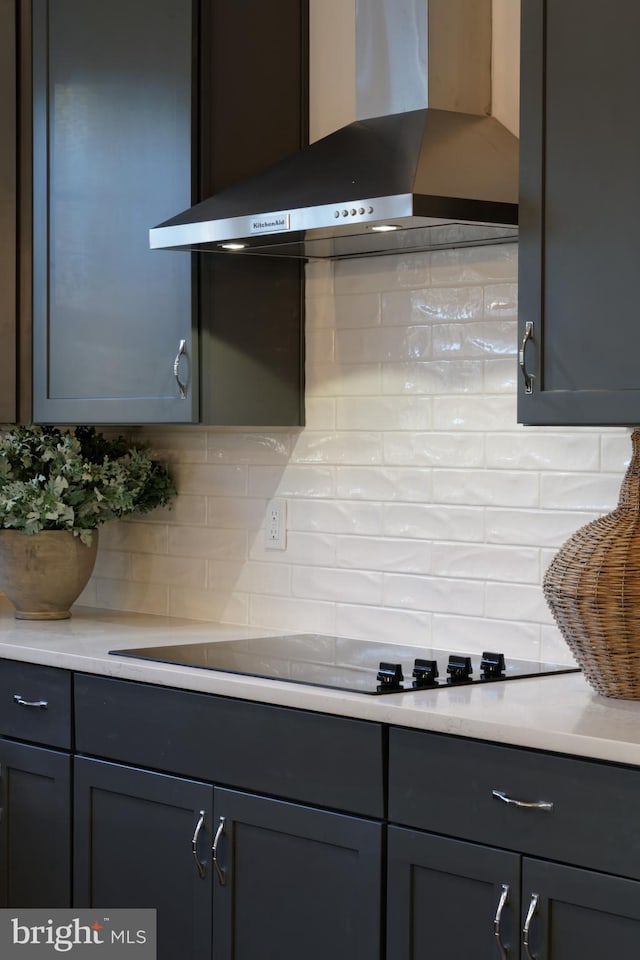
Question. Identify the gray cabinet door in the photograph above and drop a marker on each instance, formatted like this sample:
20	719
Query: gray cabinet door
295	882
8	210
112	157
579	210
133	835
445	895
579	914
35	826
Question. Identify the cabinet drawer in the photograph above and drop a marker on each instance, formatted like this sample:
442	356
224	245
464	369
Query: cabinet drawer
315	758
445	785
35	703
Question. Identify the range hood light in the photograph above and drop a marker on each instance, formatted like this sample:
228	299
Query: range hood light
233	246
385	228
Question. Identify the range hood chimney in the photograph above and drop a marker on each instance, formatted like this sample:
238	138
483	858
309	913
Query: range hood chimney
422	167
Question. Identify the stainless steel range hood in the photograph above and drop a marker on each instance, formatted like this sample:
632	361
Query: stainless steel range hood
404	176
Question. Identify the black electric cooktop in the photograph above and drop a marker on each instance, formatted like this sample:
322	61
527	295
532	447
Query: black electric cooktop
360	666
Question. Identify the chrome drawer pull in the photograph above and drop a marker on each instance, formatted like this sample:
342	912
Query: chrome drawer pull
18	698
523	804
497	922
214	850
194	846
531	912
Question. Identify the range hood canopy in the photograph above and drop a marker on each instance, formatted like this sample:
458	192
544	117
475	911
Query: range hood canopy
413	180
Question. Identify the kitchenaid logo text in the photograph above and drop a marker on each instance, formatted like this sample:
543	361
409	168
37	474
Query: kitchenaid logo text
264	224
47	933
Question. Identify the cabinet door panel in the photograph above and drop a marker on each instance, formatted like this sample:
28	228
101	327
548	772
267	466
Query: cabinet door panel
579	206
8	210
35	828
443	896
133	831
112	157
299	882
580	913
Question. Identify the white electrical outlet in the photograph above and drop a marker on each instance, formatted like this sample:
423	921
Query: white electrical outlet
275	528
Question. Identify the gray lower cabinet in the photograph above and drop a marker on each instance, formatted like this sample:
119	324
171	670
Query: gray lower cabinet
443	895
284	881
573	913
579	209
142	839
449	900
35	826
294	881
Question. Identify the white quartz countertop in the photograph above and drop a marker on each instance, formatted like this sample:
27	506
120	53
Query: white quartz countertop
558	713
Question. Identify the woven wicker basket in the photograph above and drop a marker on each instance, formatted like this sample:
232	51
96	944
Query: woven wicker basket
593	589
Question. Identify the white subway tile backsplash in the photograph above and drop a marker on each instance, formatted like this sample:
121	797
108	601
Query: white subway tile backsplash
241	513
434	449
537	451
208	604
408	484
485	561
384	413
433	377
177	571
291	614
343	380
545	528
485	414
321	345
434	594
294	481
226	577
432	521
208	542
335	516
384	553
236	449
361	586
484	265
219	479
431	304
579	491
417	508
486	487
501	301
339	447
372	344
383	624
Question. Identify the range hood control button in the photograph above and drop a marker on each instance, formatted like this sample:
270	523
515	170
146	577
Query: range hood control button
492	666
425	673
459	669
390	677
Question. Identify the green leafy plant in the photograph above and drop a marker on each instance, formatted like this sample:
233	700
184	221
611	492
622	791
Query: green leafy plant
75	480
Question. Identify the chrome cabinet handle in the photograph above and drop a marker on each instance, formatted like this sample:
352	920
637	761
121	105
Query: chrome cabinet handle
523	804
528	377
18	698
214	850
194	847
497	921
182	352
531	912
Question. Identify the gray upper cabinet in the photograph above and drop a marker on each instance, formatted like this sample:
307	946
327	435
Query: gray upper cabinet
112	156
579	210
140	109
8	210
